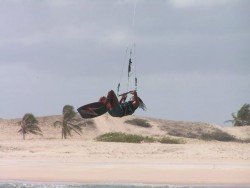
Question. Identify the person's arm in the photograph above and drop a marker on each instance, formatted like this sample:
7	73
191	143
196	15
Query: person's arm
123	99
135	98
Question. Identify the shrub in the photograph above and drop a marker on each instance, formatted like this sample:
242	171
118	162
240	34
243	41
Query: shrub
123	137
169	140
139	122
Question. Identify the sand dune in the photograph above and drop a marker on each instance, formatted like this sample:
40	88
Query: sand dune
82	159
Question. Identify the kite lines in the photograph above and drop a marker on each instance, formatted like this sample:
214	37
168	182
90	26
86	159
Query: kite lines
130	61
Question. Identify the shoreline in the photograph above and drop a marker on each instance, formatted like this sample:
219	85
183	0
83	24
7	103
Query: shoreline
99	172
115	185
112	184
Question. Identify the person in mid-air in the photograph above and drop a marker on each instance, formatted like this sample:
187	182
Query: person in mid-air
122	108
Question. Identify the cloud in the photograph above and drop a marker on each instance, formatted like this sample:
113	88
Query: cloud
116	38
199	3
130	1
69	33
71	52
203	97
64	3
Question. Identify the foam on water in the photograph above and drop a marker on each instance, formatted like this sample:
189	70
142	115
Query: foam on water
78	185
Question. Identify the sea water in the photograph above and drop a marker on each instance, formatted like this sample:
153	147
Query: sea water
76	185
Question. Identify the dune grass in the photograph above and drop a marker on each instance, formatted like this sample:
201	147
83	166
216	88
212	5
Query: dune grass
123	137
197	131
169	140
133	138
218	135
246	140
139	122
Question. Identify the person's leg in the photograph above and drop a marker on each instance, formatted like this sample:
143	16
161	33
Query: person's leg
112	98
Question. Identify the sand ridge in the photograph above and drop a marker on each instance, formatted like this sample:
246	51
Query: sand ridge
82	159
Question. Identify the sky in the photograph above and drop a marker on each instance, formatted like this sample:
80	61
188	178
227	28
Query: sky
192	57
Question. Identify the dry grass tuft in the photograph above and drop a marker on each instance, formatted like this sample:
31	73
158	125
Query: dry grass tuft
139	122
196	130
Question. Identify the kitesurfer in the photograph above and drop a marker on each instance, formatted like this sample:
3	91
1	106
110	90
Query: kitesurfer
122	108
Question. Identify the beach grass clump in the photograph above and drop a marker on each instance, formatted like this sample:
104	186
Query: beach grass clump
219	136
246	140
123	137
169	140
200	131
139	122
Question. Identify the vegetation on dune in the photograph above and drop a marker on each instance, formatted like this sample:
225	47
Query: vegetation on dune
29	124
70	122
169	140
247	140
242	118
197	131
123	137
133	138
139	122
218	135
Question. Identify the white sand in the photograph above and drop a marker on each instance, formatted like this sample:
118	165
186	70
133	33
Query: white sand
82	159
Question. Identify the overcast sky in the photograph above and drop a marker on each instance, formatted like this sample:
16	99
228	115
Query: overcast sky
192	57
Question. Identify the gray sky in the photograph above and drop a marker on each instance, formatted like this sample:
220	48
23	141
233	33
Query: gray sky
192	56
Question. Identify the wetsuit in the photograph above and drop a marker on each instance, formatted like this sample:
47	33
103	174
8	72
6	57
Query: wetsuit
123	109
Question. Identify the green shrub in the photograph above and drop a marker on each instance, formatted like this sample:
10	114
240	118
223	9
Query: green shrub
169	140
139	122
148	139
122	137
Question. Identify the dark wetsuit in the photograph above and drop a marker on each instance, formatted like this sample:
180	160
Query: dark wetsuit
123	109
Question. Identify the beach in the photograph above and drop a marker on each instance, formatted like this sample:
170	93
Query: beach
82	159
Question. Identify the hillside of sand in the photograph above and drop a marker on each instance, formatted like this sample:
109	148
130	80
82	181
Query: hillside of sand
81	158
105	124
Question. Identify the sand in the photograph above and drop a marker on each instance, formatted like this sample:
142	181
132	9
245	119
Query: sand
84	160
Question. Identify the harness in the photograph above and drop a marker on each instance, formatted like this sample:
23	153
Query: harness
128	108
123	109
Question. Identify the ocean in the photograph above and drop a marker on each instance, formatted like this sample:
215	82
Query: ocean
76	185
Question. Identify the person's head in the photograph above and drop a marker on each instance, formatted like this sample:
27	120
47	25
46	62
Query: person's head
105	101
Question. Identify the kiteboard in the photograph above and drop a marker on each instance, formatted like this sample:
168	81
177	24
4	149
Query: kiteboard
92	110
